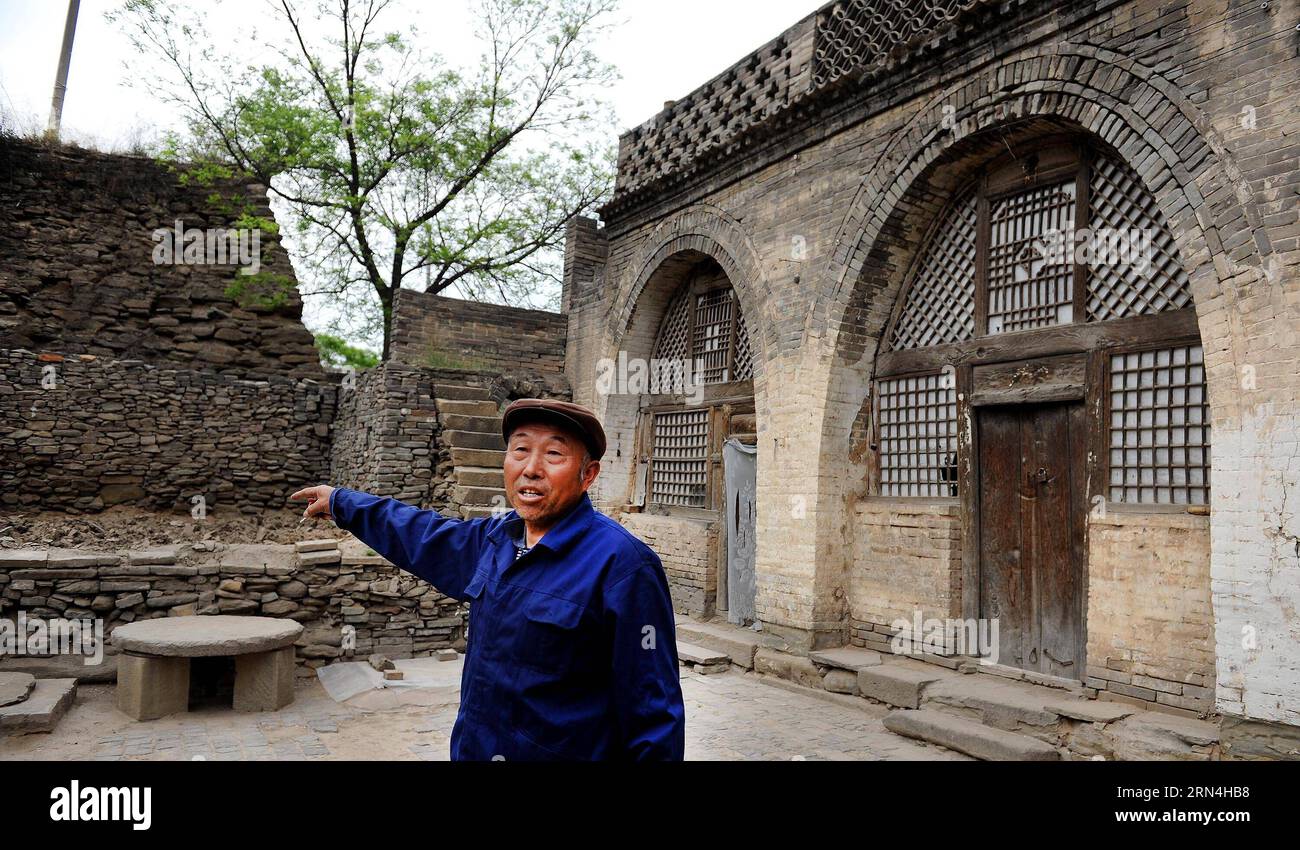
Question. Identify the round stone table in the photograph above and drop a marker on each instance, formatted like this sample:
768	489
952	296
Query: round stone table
153	672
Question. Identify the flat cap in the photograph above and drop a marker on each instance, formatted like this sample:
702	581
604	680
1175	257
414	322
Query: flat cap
575	417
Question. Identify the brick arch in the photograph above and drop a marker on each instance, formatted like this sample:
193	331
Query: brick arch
709	230
1130	108
636	308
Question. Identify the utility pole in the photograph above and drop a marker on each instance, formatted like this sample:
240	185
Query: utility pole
61	78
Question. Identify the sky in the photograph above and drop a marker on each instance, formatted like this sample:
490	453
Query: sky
663	50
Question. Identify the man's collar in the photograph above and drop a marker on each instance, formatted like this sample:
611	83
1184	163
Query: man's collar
559	537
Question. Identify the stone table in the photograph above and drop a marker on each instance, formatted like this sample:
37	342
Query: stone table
153	674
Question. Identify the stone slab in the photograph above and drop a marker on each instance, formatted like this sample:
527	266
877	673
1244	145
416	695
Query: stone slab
49	700
896	684
191	637
969	737
149	688
15	559
15	687
689	653
65	667
738	644
161	555
850	658
316	545
264	680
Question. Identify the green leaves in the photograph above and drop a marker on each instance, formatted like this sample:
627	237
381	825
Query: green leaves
387	168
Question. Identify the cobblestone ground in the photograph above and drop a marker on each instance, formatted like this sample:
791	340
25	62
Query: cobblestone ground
729	716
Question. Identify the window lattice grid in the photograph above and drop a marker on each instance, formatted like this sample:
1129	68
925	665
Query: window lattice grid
679	458
940	304
672	342
744	354
1028	286
1127	214
918	436
712	342
1159	427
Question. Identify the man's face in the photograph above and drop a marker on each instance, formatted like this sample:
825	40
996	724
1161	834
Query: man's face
544	472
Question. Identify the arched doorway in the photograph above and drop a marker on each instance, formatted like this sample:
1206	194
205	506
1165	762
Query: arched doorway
690	424
1042	364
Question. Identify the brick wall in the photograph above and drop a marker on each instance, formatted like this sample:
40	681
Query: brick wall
688	549
83	433
1150	618
77	270
447	333
907	558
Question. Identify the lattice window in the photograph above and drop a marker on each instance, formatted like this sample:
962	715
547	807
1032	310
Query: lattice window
1159	427
744	355
918	436
711	346
672	341
940	305
1126	219
1028	286
679	458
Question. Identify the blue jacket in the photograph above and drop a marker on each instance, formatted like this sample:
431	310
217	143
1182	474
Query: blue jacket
572	651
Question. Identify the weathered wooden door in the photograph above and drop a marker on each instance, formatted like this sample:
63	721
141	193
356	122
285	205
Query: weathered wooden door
1032	514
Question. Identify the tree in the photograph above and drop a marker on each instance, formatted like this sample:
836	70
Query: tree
394	168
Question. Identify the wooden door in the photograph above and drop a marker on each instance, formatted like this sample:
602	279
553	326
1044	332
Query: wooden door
1032	514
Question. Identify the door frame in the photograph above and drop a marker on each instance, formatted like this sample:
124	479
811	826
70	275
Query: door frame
1041	380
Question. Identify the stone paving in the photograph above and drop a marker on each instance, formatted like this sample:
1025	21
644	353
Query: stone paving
730	716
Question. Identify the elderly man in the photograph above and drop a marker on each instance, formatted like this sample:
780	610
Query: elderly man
573	652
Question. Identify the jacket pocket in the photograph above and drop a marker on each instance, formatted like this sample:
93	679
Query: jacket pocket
549	637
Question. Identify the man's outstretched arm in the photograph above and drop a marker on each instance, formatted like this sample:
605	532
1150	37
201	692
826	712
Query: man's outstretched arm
442	551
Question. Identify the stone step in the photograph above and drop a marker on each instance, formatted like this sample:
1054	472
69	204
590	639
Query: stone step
15	687
852	658
448	406
737	644
49	700
899	684
1016	706
480	458
460	392
480	496
480	476
969	737
475	440
475	512
689	653
475	424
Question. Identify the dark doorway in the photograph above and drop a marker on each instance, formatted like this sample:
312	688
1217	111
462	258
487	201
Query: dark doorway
1032	515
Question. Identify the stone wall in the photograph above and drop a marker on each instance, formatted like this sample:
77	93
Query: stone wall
1150	618
431	331
688	549
907	558
332	588
388	435
77	270
82	433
